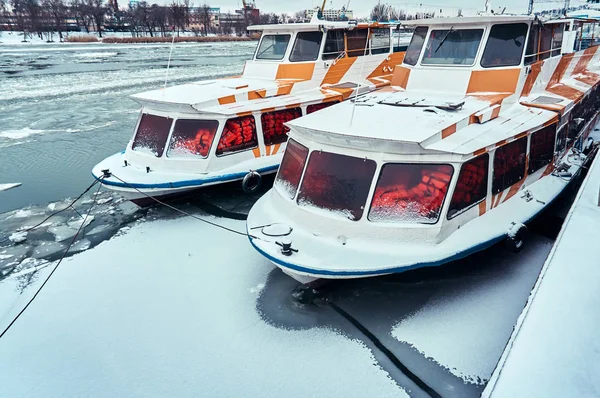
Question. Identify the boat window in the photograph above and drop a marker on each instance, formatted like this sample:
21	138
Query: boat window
272	47
272	124
412	193
452	47
541	148
317	107
334	44
238	134
380	41
509	165
557	38
306	47
505	45
290	171
416	45
337	183
151	135
546	42
357	40
561	140
531	55
192	138
471	186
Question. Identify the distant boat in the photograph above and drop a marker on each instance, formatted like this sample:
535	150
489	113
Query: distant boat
485	123
217	131
6	187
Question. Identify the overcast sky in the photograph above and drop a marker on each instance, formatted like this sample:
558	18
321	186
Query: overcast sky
363	7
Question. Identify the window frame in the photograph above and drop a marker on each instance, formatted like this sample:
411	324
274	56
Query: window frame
277	186
367	194
286	129
428	164
170	139
523	171
418	58
543	130
475	203
227	153
483	35
296	43
523	46
137	128
289	35
334	55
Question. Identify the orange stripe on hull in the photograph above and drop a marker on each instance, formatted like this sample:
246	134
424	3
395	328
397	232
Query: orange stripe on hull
256	152
483	207
448	131
536	68
230	99
277	146
401	75
302	71
494	81
386	67
338	70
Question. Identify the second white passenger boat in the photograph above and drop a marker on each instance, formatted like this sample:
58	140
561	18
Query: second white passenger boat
485	124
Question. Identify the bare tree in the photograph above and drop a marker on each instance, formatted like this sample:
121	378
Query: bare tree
79	10
97	12
299	16
159	18
33	12
204	17
381	12
18	9
57	15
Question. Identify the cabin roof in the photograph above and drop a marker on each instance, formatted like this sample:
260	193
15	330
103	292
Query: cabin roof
316	24
423	124
468	20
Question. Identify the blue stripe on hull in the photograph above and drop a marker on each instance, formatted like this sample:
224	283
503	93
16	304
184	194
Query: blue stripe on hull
187	183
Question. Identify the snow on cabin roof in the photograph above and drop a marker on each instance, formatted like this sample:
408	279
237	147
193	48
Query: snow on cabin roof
420	118
206	93
468	20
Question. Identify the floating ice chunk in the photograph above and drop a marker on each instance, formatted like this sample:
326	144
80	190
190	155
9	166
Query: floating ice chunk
48	249
80	246
99	229
79	222
257	289
6	187
18	237
104	201
62	232
128	208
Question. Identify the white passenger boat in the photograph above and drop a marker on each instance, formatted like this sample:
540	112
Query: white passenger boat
484	125
217	131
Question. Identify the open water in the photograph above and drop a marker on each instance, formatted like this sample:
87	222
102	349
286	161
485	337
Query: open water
65	107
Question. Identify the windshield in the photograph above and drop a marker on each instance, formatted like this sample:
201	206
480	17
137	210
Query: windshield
306	47
416	44
505	45
337	183
272	47
151	135
452	47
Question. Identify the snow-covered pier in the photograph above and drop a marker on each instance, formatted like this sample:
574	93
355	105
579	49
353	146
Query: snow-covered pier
555	349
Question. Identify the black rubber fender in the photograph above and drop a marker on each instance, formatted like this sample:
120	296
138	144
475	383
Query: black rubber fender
252	182
516	241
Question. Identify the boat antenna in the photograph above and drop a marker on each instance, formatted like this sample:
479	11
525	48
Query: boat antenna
169	61
362	66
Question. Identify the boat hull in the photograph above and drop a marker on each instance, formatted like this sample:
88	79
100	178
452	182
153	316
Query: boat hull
326	256
143	188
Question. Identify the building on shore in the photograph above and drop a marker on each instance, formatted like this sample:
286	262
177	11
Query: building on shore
330	14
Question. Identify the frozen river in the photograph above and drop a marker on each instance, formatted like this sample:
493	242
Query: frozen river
63	107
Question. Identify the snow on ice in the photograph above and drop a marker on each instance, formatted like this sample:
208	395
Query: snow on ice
164	310
6	187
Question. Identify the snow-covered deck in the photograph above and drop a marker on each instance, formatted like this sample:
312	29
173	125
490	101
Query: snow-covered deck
555	349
